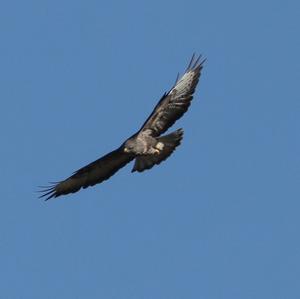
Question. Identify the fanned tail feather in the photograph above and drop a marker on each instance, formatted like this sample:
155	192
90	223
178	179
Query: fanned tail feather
170	142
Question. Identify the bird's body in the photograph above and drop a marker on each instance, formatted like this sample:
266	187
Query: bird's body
148	146
141	144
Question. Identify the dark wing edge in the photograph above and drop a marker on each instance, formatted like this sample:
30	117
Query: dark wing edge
90	175
176	102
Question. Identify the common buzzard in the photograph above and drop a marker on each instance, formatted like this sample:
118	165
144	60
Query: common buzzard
147	146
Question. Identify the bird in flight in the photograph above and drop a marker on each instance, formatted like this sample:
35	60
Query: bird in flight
148	147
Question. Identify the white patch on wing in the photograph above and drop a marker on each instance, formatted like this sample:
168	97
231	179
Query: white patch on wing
184	83
160	146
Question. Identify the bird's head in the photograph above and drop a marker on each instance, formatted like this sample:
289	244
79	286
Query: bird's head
129	146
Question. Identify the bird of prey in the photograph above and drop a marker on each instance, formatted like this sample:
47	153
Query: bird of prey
148	147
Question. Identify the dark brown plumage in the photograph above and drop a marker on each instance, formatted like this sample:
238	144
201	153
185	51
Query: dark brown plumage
147	146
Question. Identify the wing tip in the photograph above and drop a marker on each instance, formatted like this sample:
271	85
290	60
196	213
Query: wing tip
48	191
195	62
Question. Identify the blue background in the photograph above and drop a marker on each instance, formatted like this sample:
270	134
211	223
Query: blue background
219	219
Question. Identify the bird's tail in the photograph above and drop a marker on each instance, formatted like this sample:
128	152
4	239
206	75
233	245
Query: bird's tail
166	146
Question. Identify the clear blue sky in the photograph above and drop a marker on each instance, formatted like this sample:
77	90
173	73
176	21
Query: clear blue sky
219	219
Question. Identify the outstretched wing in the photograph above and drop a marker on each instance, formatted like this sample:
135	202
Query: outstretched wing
94	173
177	101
